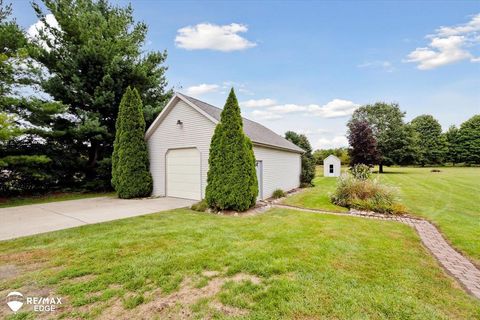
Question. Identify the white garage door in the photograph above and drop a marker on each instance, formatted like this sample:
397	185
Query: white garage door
183	173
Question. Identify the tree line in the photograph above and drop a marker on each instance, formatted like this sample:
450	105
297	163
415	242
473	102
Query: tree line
60	92
341	153
379	135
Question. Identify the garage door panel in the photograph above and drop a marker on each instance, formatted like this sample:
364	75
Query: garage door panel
183	173
182	170
183	162
183	181
188	195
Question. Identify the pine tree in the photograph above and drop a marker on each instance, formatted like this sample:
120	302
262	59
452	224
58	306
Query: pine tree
130	168
90	56
232	180
27	122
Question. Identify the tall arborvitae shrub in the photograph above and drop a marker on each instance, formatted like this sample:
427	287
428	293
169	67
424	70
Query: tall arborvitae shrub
130	168
232	180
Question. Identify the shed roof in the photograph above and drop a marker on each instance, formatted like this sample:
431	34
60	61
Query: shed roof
333	157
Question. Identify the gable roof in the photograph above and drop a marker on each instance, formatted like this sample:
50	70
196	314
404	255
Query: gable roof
258	134
334	157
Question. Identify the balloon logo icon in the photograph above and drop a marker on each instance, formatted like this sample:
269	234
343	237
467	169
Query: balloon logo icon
15	300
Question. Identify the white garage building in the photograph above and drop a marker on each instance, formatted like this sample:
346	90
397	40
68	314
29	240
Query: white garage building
179	143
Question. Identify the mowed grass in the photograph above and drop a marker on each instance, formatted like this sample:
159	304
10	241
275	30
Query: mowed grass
310	266
450	199
318	196
53	197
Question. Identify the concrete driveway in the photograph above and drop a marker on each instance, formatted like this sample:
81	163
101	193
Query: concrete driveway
39	218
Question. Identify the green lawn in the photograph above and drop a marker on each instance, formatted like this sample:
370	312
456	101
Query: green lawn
450	199
282	264
317	197
54	197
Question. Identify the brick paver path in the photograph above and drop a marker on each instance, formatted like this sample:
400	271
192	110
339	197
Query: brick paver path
453	262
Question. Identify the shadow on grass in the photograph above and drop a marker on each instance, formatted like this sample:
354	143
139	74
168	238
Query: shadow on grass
390	172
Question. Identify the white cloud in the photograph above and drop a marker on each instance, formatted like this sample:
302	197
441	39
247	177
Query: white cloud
213	37
265	115
259	103
448	45
333	109
312	132
202	89
335	142
239	87
471	26
35	29
288	108
383	65
245	91
441	51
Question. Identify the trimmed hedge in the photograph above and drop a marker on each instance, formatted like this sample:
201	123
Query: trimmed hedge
130	166
232	179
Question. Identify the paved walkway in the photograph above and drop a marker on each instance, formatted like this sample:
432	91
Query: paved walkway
39	218
453	262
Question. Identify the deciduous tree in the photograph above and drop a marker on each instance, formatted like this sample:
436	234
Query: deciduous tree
431	143
308	162
453	148
395	140
469	141
341	153
363	146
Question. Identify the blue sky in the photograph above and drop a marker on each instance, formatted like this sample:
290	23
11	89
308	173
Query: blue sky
305	66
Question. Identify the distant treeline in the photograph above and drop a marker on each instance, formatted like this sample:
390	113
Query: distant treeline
378	135
341	153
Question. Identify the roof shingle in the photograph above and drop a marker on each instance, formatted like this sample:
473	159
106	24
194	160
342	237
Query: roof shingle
255	131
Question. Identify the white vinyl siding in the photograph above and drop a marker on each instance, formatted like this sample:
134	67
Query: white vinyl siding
281	169
195	132
331	162
183	173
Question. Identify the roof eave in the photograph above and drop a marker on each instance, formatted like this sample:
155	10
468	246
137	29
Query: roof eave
259	144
